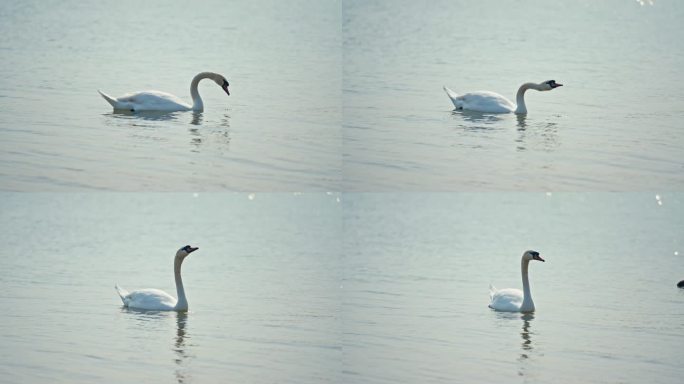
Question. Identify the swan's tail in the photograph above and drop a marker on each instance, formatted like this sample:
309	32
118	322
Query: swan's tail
109	99
454	97
122	293
492	291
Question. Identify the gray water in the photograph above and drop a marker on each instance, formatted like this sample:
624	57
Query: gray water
293	284
346	95
615	124
417	269
263	288
278	130
353	288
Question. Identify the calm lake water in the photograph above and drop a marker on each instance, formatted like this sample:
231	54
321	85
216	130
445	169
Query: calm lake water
418	266
278	131
263	288
615	125
330	95
386	279
353	288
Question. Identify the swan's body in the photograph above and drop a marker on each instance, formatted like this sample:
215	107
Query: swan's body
149	299
162	101
512	299
156	300
147	101
491	102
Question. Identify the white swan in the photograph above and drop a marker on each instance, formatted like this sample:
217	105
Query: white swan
490	102
162	101
156	300
512	299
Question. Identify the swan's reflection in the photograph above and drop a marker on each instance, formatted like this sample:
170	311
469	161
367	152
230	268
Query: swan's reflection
522	117
202	128
540	135
146	320
195	139
477	117
200	136
526	334
143	316
182	355
197	118
526	347
142	115
144	123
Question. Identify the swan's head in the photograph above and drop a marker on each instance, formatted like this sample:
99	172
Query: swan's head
549	85
185	251
532	255
222	82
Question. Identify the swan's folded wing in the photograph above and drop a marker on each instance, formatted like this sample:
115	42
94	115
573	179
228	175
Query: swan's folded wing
151	99
507	299
485	101
152	299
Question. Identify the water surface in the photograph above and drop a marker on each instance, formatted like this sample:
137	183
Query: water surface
417	269
278	131
372	288
614	126
262	288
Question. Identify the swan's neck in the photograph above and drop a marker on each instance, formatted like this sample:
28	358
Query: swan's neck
197	104
527	304
182	303
520	96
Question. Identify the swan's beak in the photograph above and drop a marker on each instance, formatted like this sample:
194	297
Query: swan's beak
192	250
557	85
225	87
538	258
